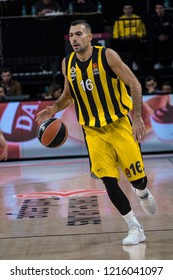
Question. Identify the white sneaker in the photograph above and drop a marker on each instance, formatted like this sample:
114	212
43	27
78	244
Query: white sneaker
135	236
148	203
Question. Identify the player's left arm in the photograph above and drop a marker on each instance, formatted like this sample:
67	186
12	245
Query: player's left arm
126	75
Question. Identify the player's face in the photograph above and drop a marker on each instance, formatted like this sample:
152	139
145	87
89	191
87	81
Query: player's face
80	37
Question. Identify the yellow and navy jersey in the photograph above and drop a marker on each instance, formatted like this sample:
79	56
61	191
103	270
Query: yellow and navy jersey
100	97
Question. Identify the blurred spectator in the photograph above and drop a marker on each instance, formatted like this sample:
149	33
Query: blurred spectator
129	25
151	85
166	87
2	93
84	6
54	91
11	86
161	24
3	147
44	7
129	28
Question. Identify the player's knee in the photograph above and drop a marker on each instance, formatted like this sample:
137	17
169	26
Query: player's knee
110	181
140	184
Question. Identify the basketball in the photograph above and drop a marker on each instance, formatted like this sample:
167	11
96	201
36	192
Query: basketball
52	133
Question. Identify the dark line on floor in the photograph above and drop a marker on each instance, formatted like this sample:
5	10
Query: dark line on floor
79	234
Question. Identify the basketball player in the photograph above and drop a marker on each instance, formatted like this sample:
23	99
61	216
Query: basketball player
3	146
95	79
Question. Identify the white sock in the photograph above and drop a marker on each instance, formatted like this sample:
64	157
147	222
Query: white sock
131	220
141	193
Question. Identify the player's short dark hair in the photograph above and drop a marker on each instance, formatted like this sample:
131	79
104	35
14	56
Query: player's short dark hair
81	21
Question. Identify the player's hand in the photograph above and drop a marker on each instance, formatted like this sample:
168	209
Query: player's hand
44	114
138	129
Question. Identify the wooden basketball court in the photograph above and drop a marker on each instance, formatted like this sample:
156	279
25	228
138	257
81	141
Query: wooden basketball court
53	209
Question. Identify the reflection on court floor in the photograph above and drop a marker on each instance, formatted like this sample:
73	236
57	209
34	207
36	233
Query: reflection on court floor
53	209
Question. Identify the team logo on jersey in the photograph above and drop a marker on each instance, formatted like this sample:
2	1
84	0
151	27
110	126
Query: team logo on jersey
95	69
73	73
128	174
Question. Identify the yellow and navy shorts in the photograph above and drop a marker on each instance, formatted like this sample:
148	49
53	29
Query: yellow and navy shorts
112	147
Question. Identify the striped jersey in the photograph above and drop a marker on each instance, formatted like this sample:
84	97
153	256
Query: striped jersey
100	97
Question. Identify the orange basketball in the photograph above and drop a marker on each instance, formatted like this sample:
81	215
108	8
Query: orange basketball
52	133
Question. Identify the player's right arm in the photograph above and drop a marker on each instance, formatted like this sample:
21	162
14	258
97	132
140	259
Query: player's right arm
60	104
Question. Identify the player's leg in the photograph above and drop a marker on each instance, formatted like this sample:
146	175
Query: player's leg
104	165
121	202
132	165
147	200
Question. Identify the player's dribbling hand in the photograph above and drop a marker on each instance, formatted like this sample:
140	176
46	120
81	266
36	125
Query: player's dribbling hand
44	114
